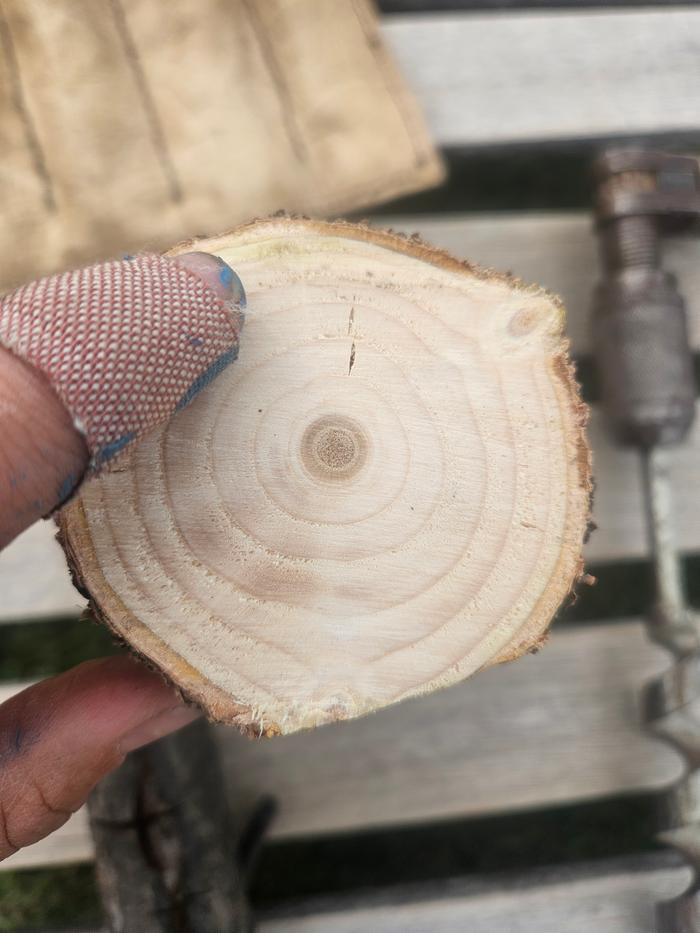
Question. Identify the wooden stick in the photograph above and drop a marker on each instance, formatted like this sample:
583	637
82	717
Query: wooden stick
166	853
387	492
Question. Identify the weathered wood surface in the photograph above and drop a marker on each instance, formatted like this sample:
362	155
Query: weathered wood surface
557	726
618	898
562	725
485	79
167	851
34	579
557	251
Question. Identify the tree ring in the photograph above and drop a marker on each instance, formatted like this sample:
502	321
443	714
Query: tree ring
334	448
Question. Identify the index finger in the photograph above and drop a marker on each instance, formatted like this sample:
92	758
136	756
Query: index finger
82	375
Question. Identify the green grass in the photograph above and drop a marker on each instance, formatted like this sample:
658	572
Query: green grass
49	898
38	649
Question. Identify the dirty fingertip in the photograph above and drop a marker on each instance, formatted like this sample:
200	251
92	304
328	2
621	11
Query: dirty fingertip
220	277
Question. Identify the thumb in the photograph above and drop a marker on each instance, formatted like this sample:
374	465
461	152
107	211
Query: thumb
60	737
93	359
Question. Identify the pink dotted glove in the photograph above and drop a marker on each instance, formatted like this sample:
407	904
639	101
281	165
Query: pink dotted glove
126	343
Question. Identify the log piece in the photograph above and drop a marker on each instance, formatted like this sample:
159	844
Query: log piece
387	492
168	856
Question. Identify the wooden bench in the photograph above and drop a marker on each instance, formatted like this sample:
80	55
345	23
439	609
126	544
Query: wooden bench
557	728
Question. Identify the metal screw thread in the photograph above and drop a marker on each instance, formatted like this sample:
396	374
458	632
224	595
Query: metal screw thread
671	705
672	700
630	243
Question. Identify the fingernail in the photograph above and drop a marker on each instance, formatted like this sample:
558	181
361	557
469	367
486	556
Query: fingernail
159	725
218	275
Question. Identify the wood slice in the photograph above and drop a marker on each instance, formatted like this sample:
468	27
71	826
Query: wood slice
388	490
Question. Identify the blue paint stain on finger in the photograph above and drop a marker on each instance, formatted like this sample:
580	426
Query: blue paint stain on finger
231	282
17	479
66	489
226	276
15	740
207	377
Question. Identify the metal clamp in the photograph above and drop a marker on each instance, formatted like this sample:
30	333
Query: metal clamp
639	322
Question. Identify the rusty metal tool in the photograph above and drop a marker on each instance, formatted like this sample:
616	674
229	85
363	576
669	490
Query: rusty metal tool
648	390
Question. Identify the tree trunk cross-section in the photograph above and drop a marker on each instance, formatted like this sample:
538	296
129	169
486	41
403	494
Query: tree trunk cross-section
387	492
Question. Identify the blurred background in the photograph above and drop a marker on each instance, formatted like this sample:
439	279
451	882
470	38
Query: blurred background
529	798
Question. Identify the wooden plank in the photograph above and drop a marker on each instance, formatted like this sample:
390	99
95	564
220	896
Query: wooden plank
617	899
485	79
34	579
557	251
562	725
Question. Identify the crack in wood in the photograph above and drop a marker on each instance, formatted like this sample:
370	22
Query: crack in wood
351	323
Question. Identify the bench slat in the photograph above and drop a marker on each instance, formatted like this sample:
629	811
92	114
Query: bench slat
614	901
34	579
485	79
559	726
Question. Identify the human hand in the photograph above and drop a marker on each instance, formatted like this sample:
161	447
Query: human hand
100	356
